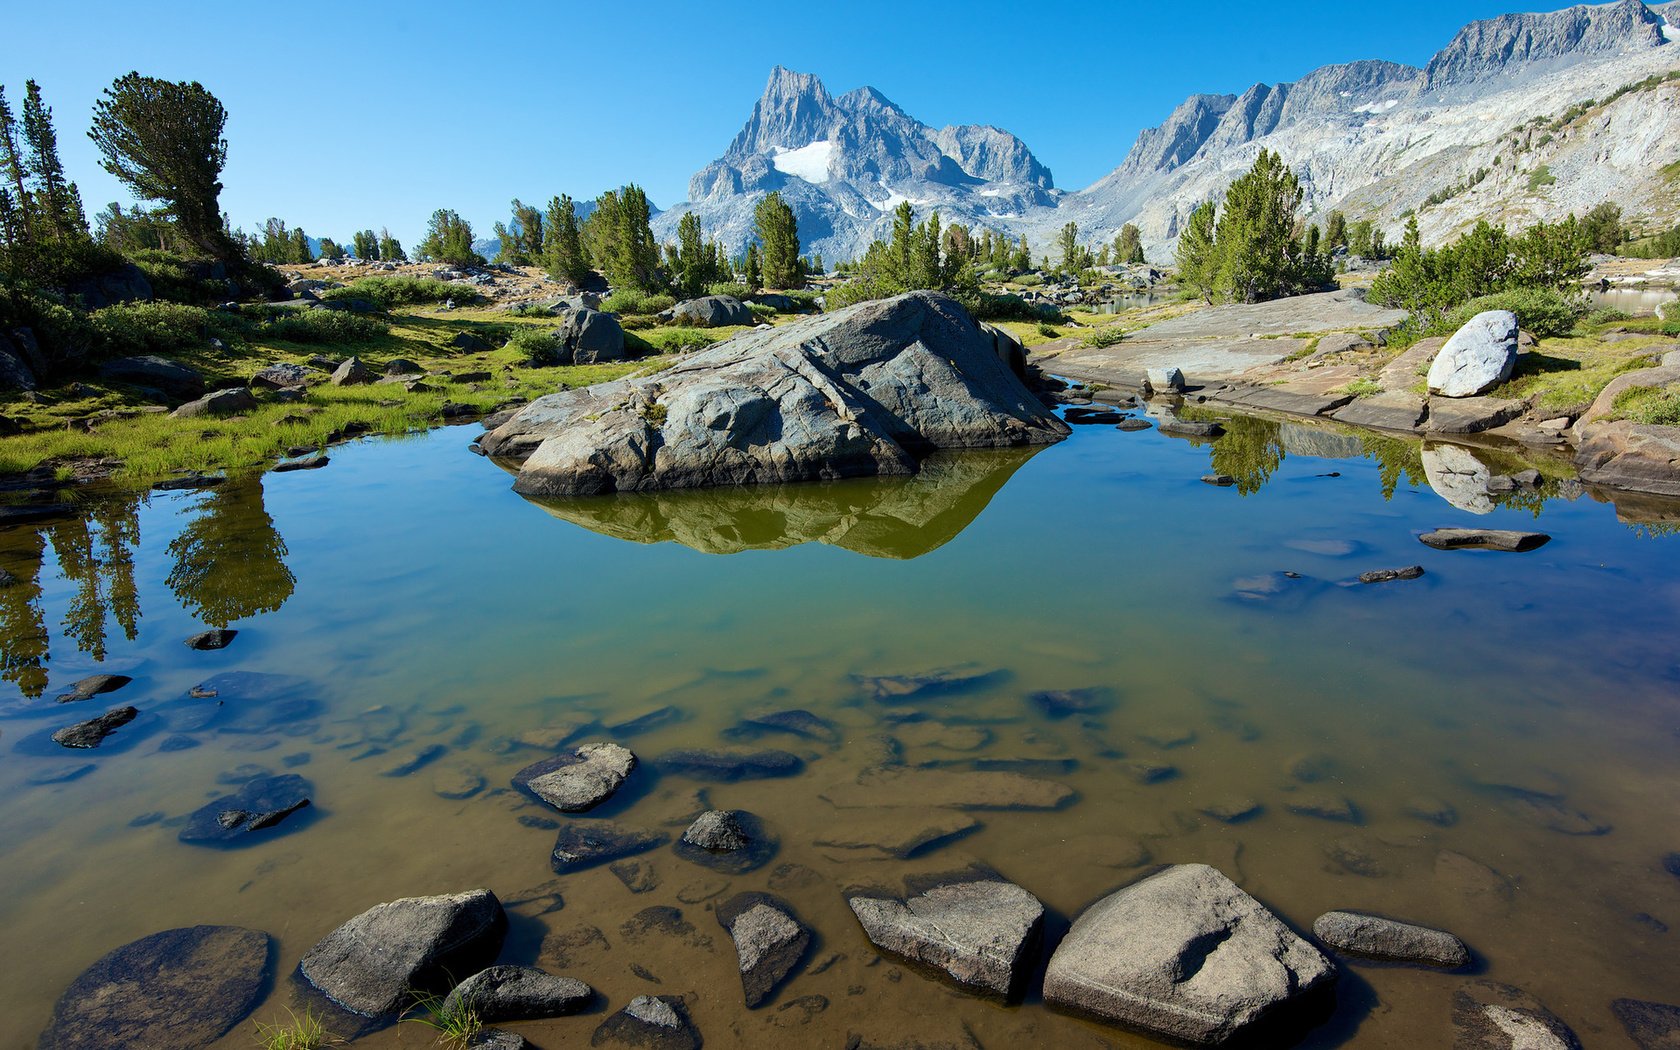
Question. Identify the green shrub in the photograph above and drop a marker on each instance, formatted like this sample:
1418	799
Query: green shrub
761	311
1543	311
729	288
1647	404
629	302
1607	315
1029	280
149	328
180	279
322	326
536	345
679	340
387	292
988	307
1106	336
1047	331
806	299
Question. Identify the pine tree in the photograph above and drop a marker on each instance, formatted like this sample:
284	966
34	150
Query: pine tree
562	254
755	277
16	202
1195	251
1128	245
1068	239
391	249
300	252
1335	231
1022	261
330	249
449	240
778	230
365	245
57	203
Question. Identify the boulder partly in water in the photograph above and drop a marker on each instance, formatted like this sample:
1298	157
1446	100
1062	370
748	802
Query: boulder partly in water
867	390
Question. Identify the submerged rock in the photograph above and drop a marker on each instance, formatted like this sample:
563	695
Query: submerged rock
729	764
1487	1015
580	780
904	688
1186	955
261	804
1410	572
898	833
217	638
93	732
1061	703
731	841
393	953
1388	939
650	1022
866	390
518	993
797	722
984	934
1651	1026
898	787
770	942
92	686
584	844
176	990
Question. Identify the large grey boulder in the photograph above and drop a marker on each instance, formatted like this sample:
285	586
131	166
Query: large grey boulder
712	311
769	941
159	373
176	990
15	372
1380	938
218	403
1478	357
580	780
518	993
590	337
376	963
866	390
1184	954
983	933
351	372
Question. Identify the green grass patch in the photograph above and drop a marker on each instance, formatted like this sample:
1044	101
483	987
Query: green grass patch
1364	386
388	292
1659	406
1540	178
1106	336
1565	375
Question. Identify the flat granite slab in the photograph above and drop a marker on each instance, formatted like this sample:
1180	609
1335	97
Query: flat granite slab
1222	342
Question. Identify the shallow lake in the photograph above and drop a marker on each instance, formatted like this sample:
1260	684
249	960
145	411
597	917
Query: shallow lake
1525	703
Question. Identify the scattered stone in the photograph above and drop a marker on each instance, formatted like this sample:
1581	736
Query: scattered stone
1651	1026
92	732
310	462
584	844
898	833
262	803
730	764
92	686
731	841
1166	380
1487	1015
417	761
1190	428
456	784
218	403
188	482
351	373
1234	811
216	638
770	942
1388	939
717	830
1187	955
175	990
1221	480
283	376
1483	539
469	342
578	781
796	721
1147	772
1553	815
1431	810
1131	423
381	960
1326	807
984	934
1478	357
904	688
712	311
1062	703
496	1039
650	1022
589	337
638	876
642	723
1410	572
518	993
897	787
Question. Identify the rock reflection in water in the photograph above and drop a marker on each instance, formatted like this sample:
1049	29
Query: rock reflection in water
898	518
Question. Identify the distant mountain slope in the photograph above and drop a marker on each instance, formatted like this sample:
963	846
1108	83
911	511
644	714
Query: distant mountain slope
1473	133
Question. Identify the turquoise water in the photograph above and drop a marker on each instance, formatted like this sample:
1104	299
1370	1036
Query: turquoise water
427	605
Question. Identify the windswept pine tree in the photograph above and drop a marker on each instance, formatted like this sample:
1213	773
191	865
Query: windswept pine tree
778	231
365	245
562	251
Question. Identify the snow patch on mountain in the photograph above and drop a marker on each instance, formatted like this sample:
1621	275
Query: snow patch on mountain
808	162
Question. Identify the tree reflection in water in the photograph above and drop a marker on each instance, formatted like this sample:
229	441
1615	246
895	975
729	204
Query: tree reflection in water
230	559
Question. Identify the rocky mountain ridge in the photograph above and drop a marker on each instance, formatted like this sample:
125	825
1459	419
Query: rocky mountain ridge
1376	138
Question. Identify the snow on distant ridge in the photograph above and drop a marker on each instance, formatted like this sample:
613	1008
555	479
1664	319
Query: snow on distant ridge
807	162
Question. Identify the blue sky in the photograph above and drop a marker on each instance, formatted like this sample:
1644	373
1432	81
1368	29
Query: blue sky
373	114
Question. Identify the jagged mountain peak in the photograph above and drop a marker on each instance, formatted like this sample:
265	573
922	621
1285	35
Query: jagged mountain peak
1500	46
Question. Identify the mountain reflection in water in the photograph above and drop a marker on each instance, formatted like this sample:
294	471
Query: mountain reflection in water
896	517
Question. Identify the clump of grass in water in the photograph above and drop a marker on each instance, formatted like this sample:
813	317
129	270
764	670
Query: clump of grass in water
305	1033
455	1023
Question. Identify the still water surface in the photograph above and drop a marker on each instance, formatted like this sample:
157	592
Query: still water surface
426	604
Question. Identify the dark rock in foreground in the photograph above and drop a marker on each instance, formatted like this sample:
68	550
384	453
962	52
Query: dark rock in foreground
983	934
1185	955
770	941
518	993
712	311
176	990
866	390
650	1022
1487	1015
384	958
1387	939
728	764
1410	572
217	638
580	780
584	844
261	804
94	731
1483	539
176	380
